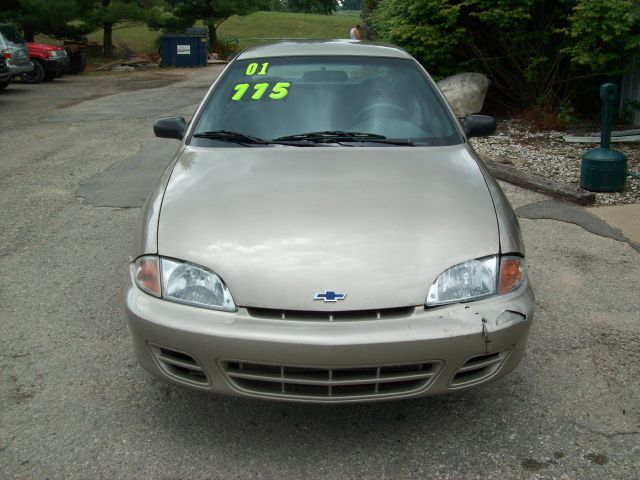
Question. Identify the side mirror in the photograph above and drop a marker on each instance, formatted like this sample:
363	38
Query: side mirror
479	125
170	127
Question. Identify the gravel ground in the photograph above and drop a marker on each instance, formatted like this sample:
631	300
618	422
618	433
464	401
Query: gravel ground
546	153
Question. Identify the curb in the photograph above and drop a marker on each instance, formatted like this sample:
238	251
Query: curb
541	184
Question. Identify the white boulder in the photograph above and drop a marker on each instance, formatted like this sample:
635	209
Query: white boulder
465	92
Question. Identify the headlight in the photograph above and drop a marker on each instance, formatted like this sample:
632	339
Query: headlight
465	281
182	282
57	53
476	279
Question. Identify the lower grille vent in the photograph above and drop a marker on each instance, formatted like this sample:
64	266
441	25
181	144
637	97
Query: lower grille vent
345	315
478	368
180	365
331	383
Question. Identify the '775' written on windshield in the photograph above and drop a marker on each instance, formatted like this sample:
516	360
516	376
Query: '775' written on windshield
277	91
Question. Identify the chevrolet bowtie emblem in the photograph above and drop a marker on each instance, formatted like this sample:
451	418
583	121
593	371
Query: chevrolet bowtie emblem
330	296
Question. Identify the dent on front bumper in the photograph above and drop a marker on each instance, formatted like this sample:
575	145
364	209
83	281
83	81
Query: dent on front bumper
416	353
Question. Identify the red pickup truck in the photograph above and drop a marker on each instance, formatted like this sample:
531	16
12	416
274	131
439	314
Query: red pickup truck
50	61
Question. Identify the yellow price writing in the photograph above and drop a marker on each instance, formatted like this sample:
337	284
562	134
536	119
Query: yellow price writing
279	91
252	69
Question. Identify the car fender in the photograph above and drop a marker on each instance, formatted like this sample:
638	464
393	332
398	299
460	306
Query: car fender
147	235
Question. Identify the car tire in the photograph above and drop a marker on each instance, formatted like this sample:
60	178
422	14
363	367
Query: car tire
4	85
35	76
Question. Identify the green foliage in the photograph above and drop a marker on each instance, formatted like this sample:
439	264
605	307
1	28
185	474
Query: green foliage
429	30
368	7
603	33
270	6
125	13
351	5
536	52
34	17
325	7
500	13
210	12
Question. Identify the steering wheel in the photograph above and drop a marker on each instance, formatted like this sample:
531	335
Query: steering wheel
393	111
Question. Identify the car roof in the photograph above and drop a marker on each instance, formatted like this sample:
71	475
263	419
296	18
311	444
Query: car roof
292	48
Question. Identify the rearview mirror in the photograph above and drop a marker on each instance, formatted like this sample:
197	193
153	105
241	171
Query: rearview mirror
479	125
170	127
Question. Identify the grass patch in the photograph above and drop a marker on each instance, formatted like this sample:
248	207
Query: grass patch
287	25
142	40
139	39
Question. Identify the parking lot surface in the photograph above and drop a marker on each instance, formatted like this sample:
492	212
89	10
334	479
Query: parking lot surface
77	157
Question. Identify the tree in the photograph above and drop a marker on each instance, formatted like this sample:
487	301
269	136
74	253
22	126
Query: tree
368	7
325	7
185	13
115	14
34	17
270	5
351	4
428	29
539	53
602	33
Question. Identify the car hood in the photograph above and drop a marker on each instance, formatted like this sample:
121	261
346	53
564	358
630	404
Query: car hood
281	224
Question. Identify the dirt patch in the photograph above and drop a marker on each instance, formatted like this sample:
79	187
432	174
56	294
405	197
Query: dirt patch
124	84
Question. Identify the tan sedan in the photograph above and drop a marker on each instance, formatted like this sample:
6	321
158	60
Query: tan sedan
326	233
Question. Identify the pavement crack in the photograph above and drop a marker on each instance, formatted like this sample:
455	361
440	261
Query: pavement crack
598	432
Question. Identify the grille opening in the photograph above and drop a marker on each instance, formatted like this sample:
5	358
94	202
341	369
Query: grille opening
328	382
178	355
188	372
328	316
478	368
305	390
306	373
470	373
406	385
339	374
349	390
259	385
405	368
256	367
180	365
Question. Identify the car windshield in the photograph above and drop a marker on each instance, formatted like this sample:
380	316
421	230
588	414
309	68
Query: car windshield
11	34
319	100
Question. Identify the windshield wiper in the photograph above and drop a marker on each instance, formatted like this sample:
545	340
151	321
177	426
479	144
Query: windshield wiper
332	136
227	136
241	138
390	141
339	137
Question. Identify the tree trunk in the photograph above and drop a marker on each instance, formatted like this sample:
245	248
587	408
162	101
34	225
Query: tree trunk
213	36
28	32
107	40
107	27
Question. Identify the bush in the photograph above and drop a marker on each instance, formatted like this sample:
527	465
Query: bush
427	29
537	53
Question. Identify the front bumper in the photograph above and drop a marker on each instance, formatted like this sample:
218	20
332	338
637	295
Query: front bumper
55	66
424	352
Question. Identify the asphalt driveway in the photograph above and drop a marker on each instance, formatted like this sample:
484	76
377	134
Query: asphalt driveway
77	157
